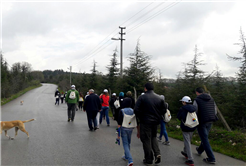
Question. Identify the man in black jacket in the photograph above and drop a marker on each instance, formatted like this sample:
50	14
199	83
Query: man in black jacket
92	106
149	109
206	111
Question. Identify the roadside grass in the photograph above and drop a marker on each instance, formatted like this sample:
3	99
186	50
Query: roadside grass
229	143
14	96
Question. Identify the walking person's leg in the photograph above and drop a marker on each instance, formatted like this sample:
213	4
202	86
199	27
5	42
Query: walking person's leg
161	131
97	117
125	134
73	111
101	115
69	111
187	144
155	145
106	114
145	137
89	121
203	131
94	120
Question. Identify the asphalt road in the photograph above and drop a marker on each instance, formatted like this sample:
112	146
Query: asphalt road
54	141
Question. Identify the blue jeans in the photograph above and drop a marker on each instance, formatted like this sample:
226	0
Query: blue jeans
163	130
104	112
126	135
203	131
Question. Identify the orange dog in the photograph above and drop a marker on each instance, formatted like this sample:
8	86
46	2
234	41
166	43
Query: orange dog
18	124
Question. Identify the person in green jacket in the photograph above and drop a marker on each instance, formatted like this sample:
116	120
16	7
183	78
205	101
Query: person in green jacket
72	98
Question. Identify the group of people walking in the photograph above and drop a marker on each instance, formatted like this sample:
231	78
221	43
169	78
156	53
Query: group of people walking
149	111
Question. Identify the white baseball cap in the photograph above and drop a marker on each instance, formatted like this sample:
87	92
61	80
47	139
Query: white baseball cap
73	86
114	94
186	99
105	90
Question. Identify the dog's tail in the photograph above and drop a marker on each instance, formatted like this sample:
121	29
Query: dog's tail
28	120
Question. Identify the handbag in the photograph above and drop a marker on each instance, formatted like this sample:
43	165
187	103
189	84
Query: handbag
129	121
167	116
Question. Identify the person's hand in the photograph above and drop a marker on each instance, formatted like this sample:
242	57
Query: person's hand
138	131
84	110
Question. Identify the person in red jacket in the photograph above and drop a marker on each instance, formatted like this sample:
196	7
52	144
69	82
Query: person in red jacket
105	106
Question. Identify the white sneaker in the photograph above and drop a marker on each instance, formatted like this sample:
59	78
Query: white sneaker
166	143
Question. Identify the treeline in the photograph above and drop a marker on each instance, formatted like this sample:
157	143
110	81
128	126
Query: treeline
229	94
18	77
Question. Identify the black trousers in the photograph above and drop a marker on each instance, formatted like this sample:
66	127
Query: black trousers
71	110
148	135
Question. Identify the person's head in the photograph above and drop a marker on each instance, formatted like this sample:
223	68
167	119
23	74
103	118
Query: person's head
121	94
126	103
114	95
80	94
91	91
148	86
73	87
105	92
186	100
129	94
162	97
199	91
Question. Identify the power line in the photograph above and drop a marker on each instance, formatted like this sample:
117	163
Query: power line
152	16
95	50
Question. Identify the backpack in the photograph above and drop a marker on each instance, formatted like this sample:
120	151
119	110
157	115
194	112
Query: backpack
117	104
72	95
191	120
129	121
167	116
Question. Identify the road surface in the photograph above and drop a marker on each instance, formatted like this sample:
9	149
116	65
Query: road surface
54	141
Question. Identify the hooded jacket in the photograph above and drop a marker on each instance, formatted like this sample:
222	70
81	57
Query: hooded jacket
205	108
183	111
150	108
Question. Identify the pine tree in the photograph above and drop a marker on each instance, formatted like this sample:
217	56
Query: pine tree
113	71
140	70
241	78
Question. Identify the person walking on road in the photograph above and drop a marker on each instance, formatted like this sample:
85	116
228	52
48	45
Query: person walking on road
57	96
206	111
92	106
111	104
105	106
163	128
62	97
72	98
129	94
149	109
120	98
187	131
126	132
81	100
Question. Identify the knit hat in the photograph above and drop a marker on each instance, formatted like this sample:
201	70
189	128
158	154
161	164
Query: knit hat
121	94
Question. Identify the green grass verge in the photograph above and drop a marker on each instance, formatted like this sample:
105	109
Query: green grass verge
14	96
229	143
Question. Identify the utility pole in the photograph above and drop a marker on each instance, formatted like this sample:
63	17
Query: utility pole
70	74
121	49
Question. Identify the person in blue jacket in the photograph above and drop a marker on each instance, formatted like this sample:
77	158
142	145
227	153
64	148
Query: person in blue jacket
187	131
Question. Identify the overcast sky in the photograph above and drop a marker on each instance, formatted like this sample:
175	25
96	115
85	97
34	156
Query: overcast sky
58	34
